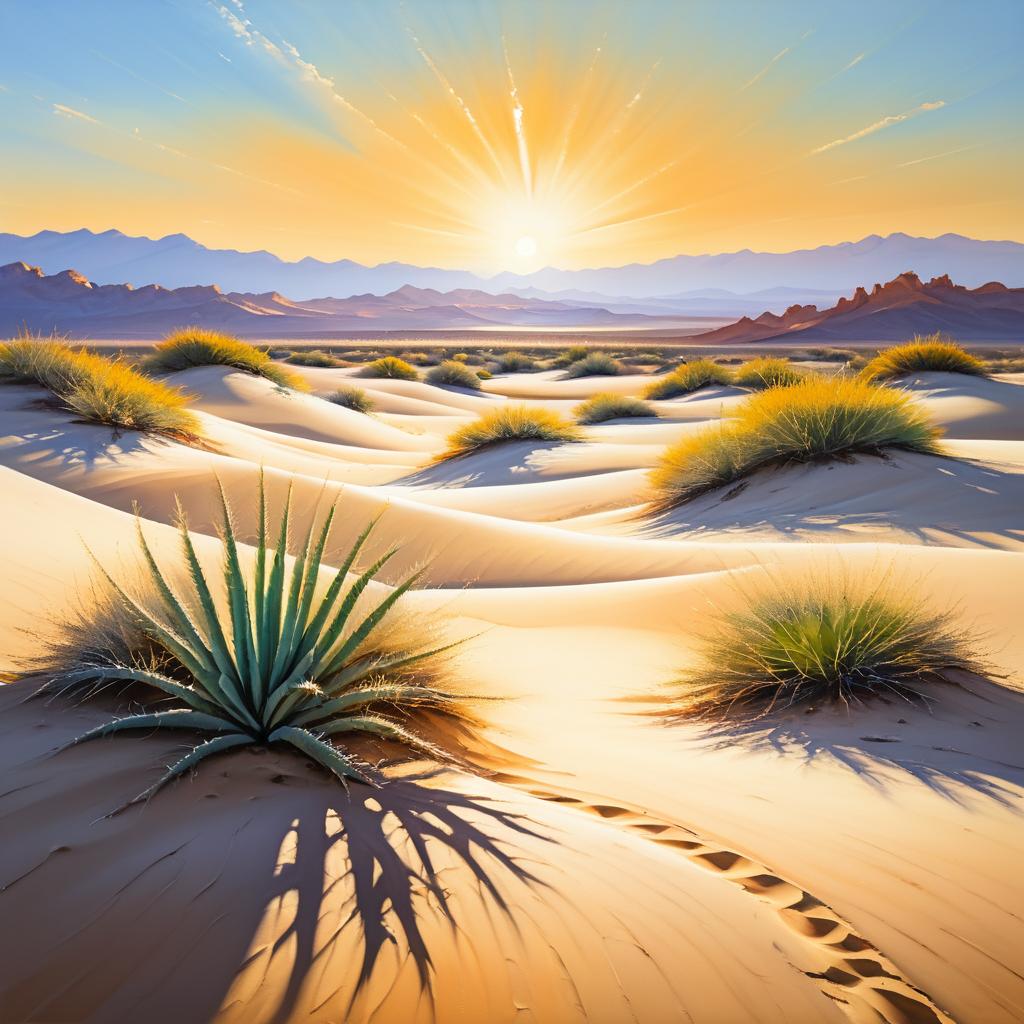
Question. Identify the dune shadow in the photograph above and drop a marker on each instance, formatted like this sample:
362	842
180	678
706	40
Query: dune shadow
79	443
494	465
937	757
774	499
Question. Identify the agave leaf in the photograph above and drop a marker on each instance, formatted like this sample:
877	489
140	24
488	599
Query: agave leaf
176	718
275	591
259	584
330	634
238	601
314	628
215	634
110	673
378	665
351	644
388	729
235	703
330	757
178	613
398	694
284	658
193	757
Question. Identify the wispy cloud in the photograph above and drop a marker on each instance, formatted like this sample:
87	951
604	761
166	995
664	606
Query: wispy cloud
853	63
877	126
939	156
69	112
775	60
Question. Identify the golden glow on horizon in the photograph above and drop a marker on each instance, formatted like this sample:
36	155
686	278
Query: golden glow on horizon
528	150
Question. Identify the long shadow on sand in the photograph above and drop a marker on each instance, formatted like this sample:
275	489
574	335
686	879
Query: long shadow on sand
507	463
240	882
918	504
965	743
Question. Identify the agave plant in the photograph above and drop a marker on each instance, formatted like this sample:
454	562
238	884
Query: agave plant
282	667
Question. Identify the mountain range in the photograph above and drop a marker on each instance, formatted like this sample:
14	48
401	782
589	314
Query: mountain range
110	257
894	311
69	303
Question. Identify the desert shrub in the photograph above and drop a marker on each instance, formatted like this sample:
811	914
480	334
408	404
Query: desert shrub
274	663
819	418
98	389
571	355
596	364
351	398
608	406
484	374
196	346
826	355
932	353
417	358
454	374
822	641
390	366
511	423
516	362
689	377
313	357
763	373
460	357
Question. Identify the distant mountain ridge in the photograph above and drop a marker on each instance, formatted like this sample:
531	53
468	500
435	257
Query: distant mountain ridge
68	302
110	257
893	311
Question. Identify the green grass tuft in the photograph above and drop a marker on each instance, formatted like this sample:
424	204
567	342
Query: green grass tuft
351	398
391	367
516	362
313	357
510	423
99	390
453	374
923	354
760	374
689	377
596	364
822	641
283	660
196	346
608	406
571	355
821	417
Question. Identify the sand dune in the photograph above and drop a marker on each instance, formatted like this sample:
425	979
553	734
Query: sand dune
859	866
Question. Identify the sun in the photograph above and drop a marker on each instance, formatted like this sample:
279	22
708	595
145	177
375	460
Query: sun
526	246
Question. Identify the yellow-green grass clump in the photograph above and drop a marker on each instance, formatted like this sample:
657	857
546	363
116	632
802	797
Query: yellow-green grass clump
823	641
453	374
313	357
689	377
596	364
511	423
516	362
98	389
278	660
391	367
608	406
571	355
922	355
352	398
760	374
819	418
197	346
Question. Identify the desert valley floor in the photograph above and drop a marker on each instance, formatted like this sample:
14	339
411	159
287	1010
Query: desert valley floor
604	865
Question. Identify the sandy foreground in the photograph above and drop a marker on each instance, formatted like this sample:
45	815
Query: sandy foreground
606	867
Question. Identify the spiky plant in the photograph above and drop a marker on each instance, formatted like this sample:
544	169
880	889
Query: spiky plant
609	406
760	374
689	377
827	640
933	354
290	662
391	367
